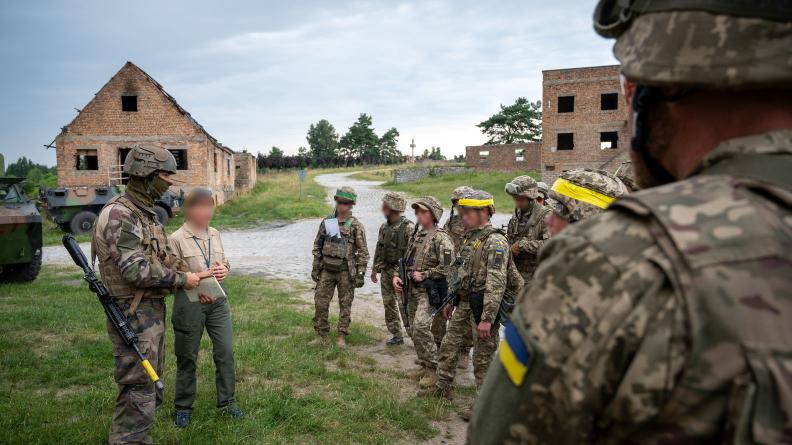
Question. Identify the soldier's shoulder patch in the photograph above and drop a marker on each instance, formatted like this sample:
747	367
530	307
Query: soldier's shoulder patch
513	354
498	257
448	257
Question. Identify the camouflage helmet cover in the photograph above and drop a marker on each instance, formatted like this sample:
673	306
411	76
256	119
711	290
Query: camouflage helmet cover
432	204
543	188
523	186
714	43
394	201
145	160
477	199
346	193
460	191
581	193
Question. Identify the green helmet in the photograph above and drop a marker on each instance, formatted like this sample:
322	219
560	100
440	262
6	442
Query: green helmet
580	193
347	193
432	204
145	160
460	191
394	201
523	186
712	43
477	199
543	189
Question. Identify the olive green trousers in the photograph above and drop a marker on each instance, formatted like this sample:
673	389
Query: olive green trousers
189	321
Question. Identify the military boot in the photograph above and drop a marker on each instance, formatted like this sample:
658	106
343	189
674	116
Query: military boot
320	340
417	374
395	340
341	341
439	391
429	379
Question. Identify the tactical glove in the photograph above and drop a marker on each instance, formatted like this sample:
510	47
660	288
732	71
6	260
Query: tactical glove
359	280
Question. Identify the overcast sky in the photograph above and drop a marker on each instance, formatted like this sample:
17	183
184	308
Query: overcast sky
257	73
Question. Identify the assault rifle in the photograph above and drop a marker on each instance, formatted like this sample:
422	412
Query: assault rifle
114	312
405	291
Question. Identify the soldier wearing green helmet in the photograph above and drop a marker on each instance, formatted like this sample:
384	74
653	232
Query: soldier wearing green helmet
527	230
340	258
667	318
139	268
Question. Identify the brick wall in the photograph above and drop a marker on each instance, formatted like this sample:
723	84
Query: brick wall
585	122
503	157
245	178
103	128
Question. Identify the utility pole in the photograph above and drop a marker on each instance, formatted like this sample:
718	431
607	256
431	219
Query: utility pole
412	147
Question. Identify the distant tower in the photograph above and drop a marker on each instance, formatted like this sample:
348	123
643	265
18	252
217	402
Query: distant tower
412	147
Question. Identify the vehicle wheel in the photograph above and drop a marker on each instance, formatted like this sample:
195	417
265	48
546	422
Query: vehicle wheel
82	222
162	214
23	272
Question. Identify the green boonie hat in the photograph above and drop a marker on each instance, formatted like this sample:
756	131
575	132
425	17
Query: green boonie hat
432	204
394	201
580	193
477	199
347	193
142	161
711	43
523	186
460	191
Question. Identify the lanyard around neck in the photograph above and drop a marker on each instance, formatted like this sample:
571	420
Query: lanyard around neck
207	259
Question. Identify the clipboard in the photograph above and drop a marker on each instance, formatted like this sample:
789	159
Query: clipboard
331	227
209	286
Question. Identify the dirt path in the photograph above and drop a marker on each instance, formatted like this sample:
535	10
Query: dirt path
284	252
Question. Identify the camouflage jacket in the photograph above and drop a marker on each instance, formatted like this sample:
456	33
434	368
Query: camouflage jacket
392	243
666	319
455	229
431	252
133	251
356	251
485	261
529	231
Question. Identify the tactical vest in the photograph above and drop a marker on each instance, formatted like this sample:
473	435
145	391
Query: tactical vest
154	242
727	250
519	228
337	252
418	251
394	242
472	254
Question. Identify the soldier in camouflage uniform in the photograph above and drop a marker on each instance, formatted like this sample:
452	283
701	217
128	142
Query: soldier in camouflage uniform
579	194
339	263
479	283
429	258
527	230
456	229
668	317
391	246
139	269
543	191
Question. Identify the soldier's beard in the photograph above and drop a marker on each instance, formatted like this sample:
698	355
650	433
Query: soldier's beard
648	170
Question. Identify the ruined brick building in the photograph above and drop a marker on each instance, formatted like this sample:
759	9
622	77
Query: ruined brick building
133	108
584	124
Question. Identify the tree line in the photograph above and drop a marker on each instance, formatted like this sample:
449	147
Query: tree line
360	145
35	175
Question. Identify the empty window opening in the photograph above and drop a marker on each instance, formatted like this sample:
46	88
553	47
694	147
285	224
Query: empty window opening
181	158
87	160
215	162
519	155
609	101
483	155
566	104
565	141
550	168
129	103
122	154
228	167
609	139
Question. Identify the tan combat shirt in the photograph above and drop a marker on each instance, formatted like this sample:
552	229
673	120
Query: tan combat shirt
194	248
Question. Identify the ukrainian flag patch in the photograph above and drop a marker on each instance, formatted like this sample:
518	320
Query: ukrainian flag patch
514	355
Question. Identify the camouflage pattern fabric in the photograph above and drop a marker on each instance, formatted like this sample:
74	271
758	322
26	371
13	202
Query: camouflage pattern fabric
391	246
528	231
395	201
591	180
485	255
137	399
666	319
455	229
523	186
352	269
432	204
430	252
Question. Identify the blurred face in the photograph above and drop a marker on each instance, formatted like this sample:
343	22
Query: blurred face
556	223
200	213
473	218
521	202
343	206
424	218
389	213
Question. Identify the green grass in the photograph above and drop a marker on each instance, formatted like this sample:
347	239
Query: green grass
57	374
441	186
275	197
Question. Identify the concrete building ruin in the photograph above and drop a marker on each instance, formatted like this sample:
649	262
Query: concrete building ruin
133	108
584	124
